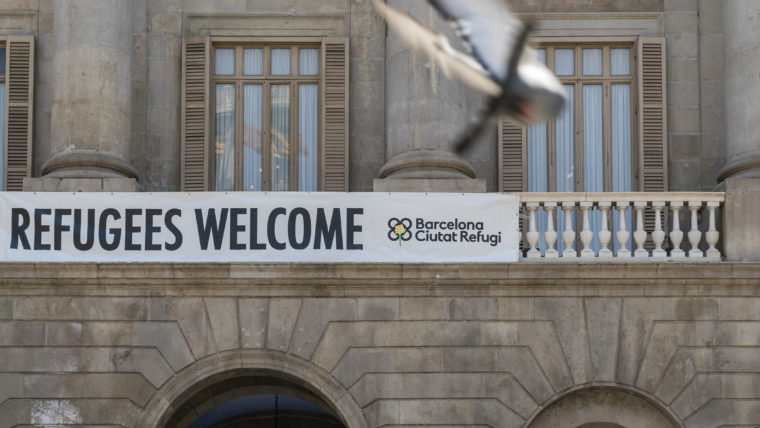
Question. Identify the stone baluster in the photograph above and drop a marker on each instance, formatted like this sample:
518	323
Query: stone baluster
586	234
622	234
658	235
676	234
532	232
695	235
640	235
568	236
712	234
604	233
550	236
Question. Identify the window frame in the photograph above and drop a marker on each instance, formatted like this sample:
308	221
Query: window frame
266	79
578	80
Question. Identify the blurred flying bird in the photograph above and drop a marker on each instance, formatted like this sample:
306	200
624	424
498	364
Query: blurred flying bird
497	62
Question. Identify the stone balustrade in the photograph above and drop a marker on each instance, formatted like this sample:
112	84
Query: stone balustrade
621	226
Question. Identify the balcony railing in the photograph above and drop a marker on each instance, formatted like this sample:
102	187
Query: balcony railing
600	226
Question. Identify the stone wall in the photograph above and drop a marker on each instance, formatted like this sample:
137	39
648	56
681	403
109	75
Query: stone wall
407	345
695	80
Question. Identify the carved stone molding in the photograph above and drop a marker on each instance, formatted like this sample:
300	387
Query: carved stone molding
18	22
268	25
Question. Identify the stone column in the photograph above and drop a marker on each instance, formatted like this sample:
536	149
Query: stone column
741	23
425	113
92	94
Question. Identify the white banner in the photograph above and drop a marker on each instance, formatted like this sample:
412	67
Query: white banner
258	227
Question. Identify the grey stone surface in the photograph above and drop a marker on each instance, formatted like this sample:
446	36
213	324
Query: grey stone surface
253	322
22	333
402	362
447	185
632	345
92	86
377	309
603	320
570	323
742	100
168	338
283	314
48	184
739	227
315	315
223	315
193	320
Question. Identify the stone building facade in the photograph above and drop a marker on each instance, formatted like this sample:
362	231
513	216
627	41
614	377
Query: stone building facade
120	95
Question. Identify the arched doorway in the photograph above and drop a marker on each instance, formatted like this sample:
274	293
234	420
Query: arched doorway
603	407
600	425
239	389
242	398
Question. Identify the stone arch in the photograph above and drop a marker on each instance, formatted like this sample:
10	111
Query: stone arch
603	407
285	373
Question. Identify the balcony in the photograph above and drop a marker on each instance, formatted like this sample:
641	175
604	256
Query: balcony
621	227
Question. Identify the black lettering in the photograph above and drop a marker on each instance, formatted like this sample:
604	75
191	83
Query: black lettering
151	229
59	227
236	228
87	245
18	229
211	227
174	212
277	245
328	234
39	228
102	226
306	228
352	228
255	244
130	229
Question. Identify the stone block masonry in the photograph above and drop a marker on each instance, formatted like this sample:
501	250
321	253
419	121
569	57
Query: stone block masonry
415	345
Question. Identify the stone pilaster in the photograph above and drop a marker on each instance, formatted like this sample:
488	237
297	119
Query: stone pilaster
425	113
92	93
741	22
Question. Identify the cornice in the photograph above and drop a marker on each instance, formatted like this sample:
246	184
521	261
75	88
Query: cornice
295	279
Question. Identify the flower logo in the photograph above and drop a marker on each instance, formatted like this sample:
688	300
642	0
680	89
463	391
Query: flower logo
399	230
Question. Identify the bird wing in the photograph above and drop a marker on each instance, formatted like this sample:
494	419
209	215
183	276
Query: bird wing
454	64
488	27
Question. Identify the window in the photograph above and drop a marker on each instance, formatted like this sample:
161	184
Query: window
265	115
266	126
610	137
588	146
16	108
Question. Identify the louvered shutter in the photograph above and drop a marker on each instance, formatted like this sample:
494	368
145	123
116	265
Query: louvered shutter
19	111
512	155
334	171
653	162
195	87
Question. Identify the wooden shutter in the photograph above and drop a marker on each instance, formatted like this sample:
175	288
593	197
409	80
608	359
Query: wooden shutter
334	168
19	110
653	163
195	115
512	154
